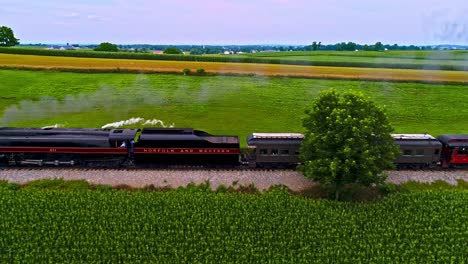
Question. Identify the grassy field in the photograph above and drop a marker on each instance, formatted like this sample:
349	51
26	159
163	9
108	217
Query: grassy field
458	59
199	226
449	55
219	104
89	64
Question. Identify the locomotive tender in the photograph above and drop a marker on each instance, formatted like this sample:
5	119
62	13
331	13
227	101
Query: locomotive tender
161	147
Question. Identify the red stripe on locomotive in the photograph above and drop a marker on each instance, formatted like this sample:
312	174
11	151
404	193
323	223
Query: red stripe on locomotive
187	151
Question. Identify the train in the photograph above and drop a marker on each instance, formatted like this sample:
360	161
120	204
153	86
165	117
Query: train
169	147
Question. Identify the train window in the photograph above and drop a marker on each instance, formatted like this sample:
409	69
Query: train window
118	131
274	152
296	153
419	152
263	152
407	152
284	152
436	152
463	151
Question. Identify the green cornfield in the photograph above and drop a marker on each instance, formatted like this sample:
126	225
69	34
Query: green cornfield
196	225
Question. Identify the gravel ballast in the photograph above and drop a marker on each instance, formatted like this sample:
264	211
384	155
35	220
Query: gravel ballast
262	179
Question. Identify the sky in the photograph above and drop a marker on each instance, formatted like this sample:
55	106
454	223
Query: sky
237	22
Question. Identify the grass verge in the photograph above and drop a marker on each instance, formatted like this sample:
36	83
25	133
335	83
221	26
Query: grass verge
226	105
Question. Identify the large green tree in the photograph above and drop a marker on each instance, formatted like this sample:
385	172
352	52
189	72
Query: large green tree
7	38
172	50
347	140
106	46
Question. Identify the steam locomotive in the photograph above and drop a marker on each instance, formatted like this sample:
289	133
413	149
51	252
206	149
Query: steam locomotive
163	147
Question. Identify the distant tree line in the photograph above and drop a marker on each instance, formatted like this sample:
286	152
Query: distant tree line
352	46
316	45
218	49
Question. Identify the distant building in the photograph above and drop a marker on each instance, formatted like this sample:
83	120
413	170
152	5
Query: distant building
56	47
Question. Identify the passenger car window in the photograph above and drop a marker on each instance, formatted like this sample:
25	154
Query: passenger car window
274	152
284	152
420	152
263	151
407	152
436	152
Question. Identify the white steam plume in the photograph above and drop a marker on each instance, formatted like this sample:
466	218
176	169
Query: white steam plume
53	126
136	120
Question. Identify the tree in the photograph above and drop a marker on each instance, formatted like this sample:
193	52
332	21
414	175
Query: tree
172	50
347	140
186	71
196	51
379	46
7	38
106	46
314	45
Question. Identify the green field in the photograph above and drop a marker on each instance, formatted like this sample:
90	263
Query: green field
218	104
402	54
199	226
419	59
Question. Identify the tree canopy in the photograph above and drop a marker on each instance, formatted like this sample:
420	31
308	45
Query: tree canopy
106	46
347	140
172	50
7	38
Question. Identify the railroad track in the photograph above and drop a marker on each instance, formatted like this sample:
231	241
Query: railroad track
175	177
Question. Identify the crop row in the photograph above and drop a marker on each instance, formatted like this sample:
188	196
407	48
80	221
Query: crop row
237	59
196	225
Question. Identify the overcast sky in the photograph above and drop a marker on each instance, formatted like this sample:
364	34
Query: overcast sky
237	21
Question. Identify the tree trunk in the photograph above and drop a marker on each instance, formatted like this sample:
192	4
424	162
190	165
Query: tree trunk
337	194
337	189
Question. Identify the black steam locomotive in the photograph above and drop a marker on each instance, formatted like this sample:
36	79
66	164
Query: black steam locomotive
116	147
162	147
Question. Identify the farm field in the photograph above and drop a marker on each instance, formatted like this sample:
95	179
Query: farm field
435	60
453	58
99	64
402	54
218	104
195	225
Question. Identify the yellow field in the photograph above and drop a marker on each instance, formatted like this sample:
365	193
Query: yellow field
50	62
